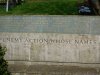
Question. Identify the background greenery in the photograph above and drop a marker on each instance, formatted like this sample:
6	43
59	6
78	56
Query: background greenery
44	7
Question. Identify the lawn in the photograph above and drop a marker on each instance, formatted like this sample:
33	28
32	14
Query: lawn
44	7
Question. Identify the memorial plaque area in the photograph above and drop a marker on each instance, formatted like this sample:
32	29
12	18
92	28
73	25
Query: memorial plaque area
52	47
52	52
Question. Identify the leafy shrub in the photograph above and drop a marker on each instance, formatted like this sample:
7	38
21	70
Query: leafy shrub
3	62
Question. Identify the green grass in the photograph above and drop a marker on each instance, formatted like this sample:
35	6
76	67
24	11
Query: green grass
45	7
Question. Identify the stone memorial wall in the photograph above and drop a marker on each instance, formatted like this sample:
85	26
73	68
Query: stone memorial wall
51	45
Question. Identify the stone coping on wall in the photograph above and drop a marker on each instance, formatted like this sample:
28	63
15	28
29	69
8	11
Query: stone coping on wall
50	24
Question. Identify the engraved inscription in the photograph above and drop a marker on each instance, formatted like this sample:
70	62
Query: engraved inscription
48	41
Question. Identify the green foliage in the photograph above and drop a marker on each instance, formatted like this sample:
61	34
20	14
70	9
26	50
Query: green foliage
49	8
3	63
46	7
